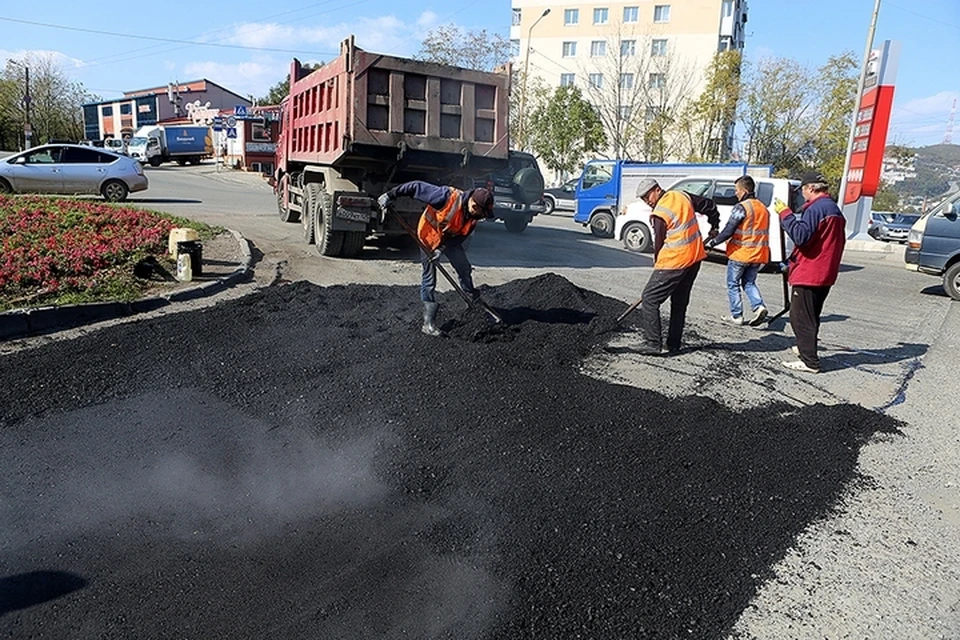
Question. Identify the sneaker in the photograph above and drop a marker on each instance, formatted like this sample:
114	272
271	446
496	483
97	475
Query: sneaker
799	365
796	350
759	315
737	320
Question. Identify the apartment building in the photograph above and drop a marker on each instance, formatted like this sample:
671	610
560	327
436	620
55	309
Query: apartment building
644	55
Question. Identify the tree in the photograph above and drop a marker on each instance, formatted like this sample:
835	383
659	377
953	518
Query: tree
837	100
886	199
55	105
565	129
450	44
281	90
537	95
706	122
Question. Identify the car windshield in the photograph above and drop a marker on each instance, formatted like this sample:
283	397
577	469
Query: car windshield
137	141
908	218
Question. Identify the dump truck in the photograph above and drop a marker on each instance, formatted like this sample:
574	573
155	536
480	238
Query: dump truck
365	122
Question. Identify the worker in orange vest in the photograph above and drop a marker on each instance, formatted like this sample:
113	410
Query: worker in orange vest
678	250
747	234
449	218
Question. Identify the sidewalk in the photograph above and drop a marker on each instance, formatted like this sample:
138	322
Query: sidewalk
226	261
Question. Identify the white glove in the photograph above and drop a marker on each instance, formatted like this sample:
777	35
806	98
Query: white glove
384	201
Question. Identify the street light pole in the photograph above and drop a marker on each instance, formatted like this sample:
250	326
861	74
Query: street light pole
27	128
526	72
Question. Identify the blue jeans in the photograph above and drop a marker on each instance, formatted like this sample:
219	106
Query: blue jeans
742	275
457	257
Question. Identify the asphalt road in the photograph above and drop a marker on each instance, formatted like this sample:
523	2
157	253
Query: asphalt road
130	508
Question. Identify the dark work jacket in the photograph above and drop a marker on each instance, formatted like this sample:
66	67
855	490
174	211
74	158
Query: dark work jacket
819	235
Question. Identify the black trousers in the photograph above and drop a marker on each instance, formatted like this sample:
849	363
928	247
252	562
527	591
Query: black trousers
674	284
806	305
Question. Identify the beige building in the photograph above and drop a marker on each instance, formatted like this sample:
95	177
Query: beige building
632	59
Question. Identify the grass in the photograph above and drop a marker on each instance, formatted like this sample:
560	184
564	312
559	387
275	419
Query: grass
56	251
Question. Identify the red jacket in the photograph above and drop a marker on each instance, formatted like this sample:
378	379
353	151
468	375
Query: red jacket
819	235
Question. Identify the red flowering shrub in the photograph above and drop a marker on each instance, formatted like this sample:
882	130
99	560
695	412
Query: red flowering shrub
51	249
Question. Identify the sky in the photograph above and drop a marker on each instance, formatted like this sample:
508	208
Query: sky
246	45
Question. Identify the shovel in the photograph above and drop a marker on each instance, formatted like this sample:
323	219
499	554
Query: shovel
436	261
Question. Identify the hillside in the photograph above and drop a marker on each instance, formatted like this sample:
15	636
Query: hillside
936	167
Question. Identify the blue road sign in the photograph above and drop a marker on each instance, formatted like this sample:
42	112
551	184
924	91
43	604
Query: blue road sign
231	132
218	121
240	111
217	127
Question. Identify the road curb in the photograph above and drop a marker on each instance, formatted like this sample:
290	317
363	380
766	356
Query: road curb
21	323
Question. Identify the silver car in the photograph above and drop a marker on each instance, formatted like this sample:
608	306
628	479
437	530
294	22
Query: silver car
70	169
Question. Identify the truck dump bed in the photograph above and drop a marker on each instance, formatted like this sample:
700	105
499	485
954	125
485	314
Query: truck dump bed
367	110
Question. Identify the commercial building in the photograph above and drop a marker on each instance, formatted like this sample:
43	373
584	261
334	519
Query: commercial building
633	59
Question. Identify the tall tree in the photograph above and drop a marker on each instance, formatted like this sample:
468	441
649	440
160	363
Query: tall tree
565	130
281	90
451	44
837	80
538	94
706	122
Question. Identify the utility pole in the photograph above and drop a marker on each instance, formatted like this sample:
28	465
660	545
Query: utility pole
526	72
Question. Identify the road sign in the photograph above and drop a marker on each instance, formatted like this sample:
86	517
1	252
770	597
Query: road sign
217	127
231	132
231	121
240	111
218	121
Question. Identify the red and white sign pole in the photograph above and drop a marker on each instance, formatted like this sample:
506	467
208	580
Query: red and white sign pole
868	136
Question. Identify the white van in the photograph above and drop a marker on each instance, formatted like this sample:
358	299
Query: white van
632	227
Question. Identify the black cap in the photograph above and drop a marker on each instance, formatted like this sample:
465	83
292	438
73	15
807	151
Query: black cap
484	200
811	177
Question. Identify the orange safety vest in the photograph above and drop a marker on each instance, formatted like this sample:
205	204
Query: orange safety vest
682	246
449	220
750	243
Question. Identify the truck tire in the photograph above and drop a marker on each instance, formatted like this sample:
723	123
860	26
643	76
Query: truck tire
155	161
182	162
311	199
636	237
951	281
528	185
601	224
328	242
353	242
286	213
515	224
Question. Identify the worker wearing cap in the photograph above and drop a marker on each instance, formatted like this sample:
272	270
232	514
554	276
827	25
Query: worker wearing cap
678	250
818	235
449	218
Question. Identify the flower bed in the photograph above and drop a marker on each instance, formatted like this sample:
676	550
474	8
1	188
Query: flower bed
61	251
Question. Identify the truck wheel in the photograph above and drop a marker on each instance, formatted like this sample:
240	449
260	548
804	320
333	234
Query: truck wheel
515	224
286	213
951	281
114	191
182	162
636	237
601	225
548	205
155	161
311	199
353	242
328	241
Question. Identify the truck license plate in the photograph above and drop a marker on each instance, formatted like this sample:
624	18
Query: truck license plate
356	216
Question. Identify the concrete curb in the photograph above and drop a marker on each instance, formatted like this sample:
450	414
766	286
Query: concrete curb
21	323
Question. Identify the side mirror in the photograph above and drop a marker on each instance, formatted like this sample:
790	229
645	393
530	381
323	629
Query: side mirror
955	209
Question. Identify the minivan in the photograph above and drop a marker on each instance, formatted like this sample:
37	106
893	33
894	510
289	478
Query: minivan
933	246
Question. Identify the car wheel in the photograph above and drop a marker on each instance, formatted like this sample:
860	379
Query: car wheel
114	191
515	224
636	237
951	281
548	205
5	187
601	225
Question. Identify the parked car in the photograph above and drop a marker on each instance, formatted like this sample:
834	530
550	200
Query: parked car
891	227
562	198
633	228
933	246
72	169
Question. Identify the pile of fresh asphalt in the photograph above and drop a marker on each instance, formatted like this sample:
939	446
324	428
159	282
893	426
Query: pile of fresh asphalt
303	462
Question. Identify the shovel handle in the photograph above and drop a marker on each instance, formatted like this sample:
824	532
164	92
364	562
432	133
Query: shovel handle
630	310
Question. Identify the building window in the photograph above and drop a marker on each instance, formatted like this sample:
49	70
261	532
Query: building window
631	14
657	81
567	79
601	16
725	43
126	109
628	48
626	81
571	16
626	112
598	48
658	47
107	111
661	13
516	17
727	8
596	80
259	133
569	49
515	48
651	113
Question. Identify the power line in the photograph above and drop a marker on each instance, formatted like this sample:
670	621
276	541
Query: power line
920	15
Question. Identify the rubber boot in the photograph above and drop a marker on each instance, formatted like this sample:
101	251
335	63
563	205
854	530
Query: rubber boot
430	318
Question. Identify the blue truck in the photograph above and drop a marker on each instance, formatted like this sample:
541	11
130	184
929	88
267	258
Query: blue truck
607	187
185	144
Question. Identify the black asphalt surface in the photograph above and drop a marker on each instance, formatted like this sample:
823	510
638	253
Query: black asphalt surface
303	463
